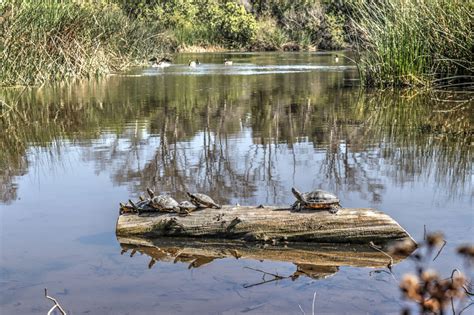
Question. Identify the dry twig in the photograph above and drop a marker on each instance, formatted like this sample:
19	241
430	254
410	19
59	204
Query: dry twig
56	304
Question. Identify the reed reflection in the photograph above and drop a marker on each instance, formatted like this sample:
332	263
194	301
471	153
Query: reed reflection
236	137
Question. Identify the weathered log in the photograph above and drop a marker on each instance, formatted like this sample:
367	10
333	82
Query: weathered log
312	260
267	224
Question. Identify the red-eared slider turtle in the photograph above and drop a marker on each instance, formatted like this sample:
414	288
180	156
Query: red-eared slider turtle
185	207
203	201
317	199
164	203
139	207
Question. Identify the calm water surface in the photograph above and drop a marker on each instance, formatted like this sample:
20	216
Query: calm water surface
242	134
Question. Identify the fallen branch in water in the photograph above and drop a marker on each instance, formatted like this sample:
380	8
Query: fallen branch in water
390	263
439	252
56	304
276	277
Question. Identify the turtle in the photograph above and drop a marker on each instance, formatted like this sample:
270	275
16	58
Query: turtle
140	206
164	203
126	209
203	201
316	199
185	207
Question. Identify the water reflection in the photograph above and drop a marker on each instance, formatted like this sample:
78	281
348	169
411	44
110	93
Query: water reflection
313	261
70	153
229	136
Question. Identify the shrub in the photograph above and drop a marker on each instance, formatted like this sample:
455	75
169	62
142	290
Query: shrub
233	24
269	35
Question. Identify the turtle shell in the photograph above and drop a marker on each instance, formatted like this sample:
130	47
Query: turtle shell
187	206
317	199
202	200
164	203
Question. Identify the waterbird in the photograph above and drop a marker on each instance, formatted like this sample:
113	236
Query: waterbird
193	63
336	58
163	62
228	62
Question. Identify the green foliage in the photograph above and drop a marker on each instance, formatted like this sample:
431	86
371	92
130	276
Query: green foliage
233	24
332	32
408	42
308	23
269	35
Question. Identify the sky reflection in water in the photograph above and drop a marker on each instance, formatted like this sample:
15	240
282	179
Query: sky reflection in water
247	135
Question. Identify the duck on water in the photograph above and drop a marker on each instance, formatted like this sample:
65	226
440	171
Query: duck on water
160	63
193	63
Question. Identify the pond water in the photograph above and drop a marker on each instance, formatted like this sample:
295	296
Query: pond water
243	134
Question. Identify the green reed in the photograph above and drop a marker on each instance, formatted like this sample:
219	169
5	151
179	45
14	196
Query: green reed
48	40
409	42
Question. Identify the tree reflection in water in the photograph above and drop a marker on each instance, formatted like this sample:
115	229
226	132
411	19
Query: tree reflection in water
231	136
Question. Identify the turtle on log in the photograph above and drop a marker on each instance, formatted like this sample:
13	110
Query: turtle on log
316	199
203	201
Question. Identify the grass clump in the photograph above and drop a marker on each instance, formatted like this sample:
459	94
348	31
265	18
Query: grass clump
47	41
413	43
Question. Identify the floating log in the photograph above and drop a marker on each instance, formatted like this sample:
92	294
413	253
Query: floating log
312	260
267	224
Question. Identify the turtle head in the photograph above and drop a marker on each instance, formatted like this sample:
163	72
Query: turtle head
191	196
296	193
150	192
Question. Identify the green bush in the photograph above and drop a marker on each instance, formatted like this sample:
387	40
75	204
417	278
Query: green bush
269	36
332	32
232	24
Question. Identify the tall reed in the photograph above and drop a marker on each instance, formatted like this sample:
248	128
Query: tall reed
49	40
415	42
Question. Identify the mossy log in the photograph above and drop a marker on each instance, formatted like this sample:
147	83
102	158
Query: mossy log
269	223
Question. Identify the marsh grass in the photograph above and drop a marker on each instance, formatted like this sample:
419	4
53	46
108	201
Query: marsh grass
415	43
49	40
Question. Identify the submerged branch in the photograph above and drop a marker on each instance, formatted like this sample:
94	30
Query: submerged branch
56	304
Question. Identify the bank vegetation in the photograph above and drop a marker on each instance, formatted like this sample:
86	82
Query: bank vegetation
397	42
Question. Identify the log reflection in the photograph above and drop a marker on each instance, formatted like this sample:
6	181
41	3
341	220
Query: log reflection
315	261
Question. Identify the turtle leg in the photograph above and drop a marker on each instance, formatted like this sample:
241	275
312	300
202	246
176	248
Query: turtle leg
334	209
296	206
123	208
197	204
217	206
134	206
183	213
